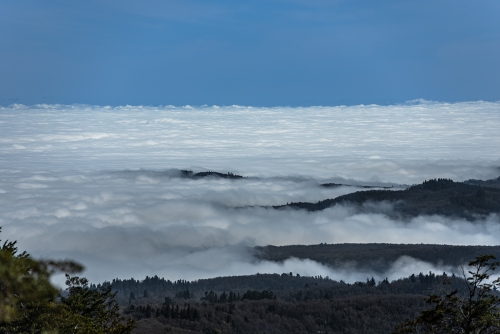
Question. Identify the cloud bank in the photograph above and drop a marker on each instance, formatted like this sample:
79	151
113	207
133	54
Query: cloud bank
96	184
400	143
133	224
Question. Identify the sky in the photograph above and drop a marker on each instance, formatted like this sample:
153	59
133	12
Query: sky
253	53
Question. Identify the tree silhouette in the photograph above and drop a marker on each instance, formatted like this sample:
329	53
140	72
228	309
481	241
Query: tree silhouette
473	310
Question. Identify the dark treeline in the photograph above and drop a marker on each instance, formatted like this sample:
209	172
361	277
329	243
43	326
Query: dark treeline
192	175
375	257
287	286
156	286
321	305
433	197
336	185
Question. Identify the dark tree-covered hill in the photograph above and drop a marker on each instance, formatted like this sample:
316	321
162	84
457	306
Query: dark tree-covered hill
289	303
375	257
434	197
200	175
321	305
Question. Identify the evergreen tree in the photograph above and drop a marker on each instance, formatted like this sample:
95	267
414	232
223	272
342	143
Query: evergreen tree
476	310
24	280
28	300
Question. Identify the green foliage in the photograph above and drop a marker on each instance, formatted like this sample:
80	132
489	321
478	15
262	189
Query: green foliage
475	310
82	311
93	310
24	280
28	300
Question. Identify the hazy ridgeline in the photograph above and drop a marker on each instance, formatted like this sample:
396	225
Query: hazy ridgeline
102	185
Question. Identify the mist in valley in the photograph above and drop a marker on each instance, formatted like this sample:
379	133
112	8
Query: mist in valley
102	185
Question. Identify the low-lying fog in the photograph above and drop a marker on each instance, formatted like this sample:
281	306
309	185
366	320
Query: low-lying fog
99	185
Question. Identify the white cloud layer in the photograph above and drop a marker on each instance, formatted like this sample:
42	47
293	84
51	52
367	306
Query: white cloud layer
133	224
401	143
94	183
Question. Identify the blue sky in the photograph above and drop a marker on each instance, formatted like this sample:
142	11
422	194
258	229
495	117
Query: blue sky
261	53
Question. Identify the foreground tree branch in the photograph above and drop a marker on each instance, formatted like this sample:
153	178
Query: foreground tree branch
28	301
475	310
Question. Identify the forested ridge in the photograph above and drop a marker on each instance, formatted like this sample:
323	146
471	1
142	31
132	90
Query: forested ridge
294	305
433	197
289	303
376	257
190	174
260	303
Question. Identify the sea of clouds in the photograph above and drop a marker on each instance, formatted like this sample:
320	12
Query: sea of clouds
101	184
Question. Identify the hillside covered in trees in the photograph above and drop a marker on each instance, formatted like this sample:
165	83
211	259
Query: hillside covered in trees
191	175
444	197
374	257
294	304
289	303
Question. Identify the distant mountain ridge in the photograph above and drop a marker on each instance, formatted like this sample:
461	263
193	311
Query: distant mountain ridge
469	200
190	174
376	257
